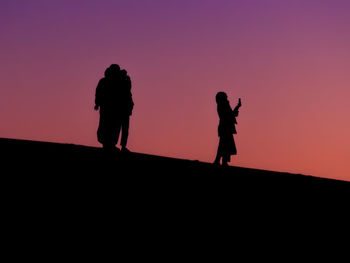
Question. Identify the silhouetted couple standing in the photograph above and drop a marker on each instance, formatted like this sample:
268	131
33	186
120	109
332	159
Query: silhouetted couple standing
226	129
114	100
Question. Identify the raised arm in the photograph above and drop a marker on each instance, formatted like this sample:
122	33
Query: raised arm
236	109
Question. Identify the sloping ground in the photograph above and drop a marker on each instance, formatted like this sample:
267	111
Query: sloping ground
45	158
80	170
75	161
59	198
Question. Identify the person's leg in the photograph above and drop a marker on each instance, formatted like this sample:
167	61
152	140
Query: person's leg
217	159
219	153
107	137
125	132
115	132
101	136
225	160
230	149
225	149
218	156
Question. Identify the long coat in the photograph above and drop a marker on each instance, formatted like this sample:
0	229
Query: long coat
114	98
226	129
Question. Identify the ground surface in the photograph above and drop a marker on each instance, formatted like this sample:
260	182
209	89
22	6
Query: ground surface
61	196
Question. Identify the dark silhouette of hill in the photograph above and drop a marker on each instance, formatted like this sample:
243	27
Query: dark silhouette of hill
75	162
79	169
64	197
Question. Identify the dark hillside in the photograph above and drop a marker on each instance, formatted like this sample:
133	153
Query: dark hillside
61	197
64	170
74	161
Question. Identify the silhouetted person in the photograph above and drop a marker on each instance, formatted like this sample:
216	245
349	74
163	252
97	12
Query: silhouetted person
126	109
113	99
226	129
106	101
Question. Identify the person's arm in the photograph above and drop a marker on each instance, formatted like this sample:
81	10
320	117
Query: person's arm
236	109
130	103
128	81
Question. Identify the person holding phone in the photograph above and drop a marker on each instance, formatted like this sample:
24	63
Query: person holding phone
226	129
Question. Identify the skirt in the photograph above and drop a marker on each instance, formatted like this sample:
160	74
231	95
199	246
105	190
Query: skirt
227	146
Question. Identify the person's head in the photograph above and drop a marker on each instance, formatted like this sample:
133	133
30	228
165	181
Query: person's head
108	72
114	67
112	71
123	73
221	97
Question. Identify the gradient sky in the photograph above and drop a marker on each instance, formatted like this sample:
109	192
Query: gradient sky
289	61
